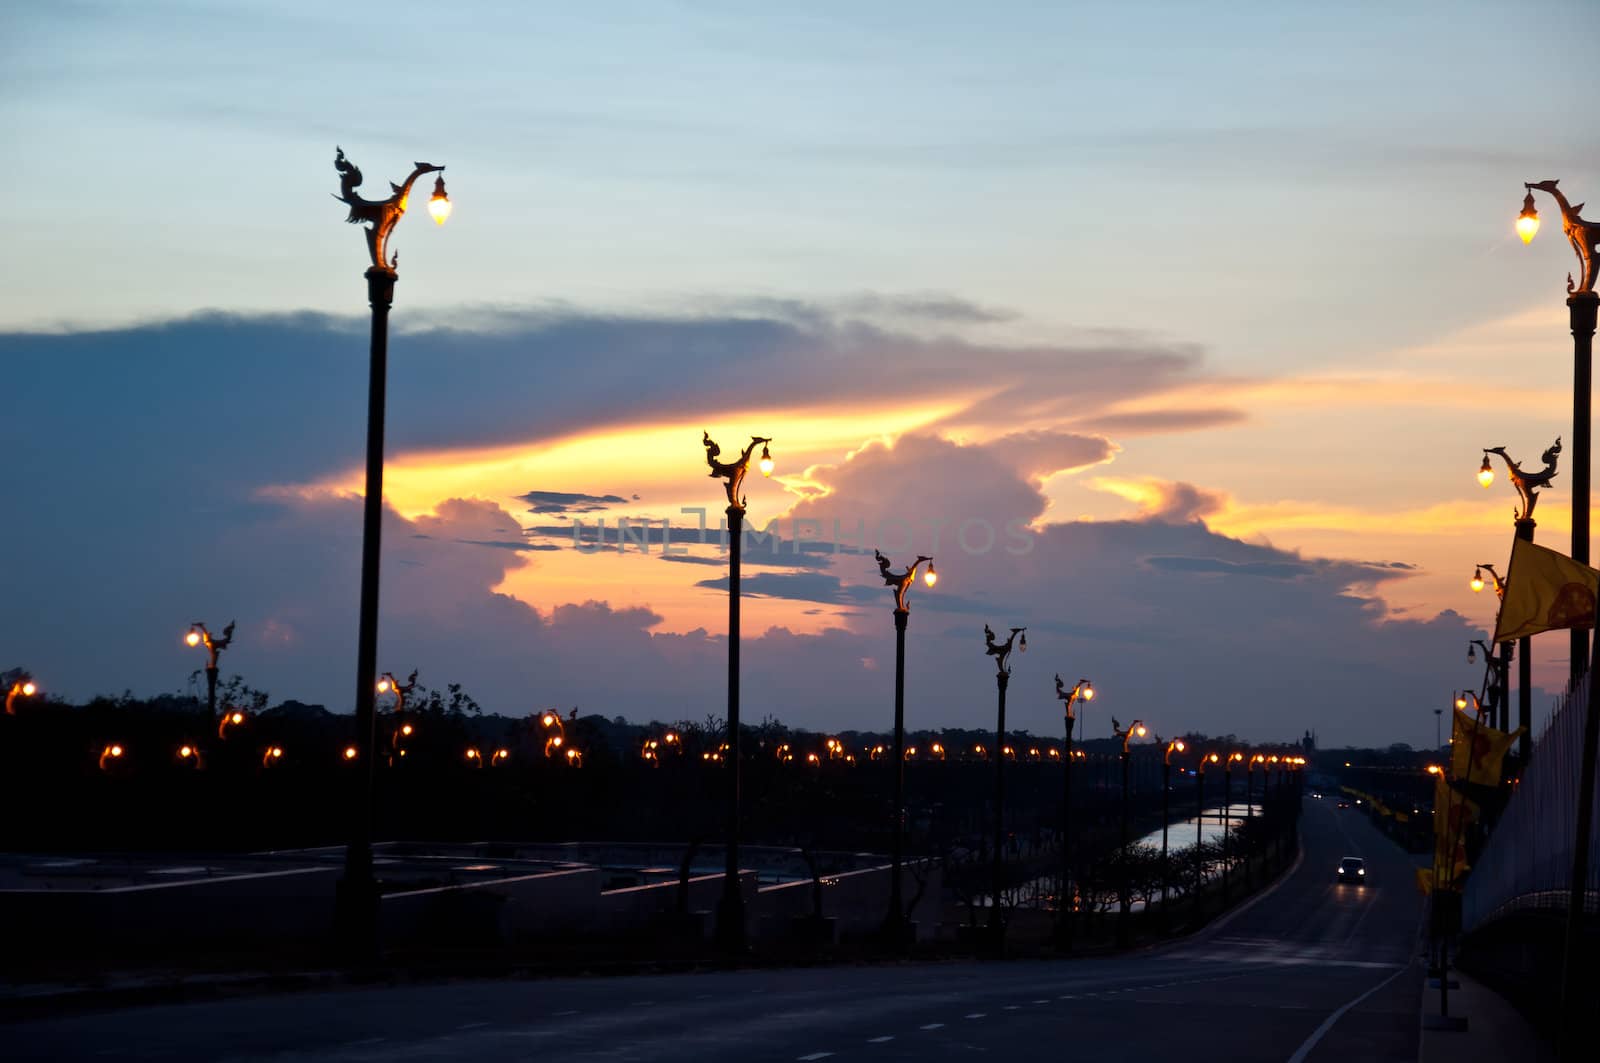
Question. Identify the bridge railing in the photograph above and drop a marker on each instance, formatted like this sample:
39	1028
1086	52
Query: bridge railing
1527	862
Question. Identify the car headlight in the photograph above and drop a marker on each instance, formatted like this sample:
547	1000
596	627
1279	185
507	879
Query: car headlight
1361	871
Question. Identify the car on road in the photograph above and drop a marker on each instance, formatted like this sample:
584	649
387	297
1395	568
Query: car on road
1344	804
1353	869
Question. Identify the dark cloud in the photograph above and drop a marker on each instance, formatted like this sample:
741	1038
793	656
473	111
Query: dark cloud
1258	569
569	502
800	586
505	544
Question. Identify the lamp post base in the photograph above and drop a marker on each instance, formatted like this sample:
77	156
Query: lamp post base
356	919
730	932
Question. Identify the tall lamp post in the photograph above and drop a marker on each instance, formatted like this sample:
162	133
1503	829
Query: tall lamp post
198	635
1584	236
894	925
357	905
1174	746
1001	652
1528	485
1502	665
1085	690
730	910
1134	729
1582	304
1227	813
1199	822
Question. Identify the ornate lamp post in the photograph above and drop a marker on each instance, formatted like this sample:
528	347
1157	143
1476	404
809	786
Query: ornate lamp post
357	907
1174	746
198	635
894	925
1582	302
1584	236
1001	652
1134	729
1227	810
730	910
403	728
1528	485
1085	690
18	684
1199	822
1500	668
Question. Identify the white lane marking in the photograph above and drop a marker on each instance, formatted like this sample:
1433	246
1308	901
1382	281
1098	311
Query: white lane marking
976	1015
932	1026
1327	1024
366	1041
559	1014
1066	996
814	1055
1041	1002
880	1040
471	1025
644	1003
1013	1007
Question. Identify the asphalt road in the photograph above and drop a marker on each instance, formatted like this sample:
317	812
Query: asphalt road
1312	971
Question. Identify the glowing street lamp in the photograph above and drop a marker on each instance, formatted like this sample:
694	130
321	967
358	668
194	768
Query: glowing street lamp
1083	690
357	905
555	731
1582	302
231	718
894	925
730	930
1205	760
1227	815
271	756
109	755
198	636
1528	485
1124	900
189	756
18	684
1001	652
1174	746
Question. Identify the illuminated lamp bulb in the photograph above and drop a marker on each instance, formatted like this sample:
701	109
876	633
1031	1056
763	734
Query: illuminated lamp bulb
439	203
766	461
1528	220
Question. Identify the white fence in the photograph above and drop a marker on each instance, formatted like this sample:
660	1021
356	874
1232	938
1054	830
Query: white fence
1527	862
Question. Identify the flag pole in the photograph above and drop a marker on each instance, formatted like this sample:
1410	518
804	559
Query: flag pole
1578	887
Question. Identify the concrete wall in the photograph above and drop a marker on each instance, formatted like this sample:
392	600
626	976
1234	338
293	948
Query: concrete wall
856	900
547	903
293	906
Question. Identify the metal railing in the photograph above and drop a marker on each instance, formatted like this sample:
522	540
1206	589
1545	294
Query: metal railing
1527	862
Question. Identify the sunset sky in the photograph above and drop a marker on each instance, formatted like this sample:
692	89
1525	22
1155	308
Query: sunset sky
1214	307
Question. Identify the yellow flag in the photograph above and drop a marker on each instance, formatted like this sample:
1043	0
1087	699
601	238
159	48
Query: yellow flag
1476	750
1453	814
1545	590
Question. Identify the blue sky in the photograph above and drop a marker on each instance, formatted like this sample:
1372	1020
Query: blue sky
1285	227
